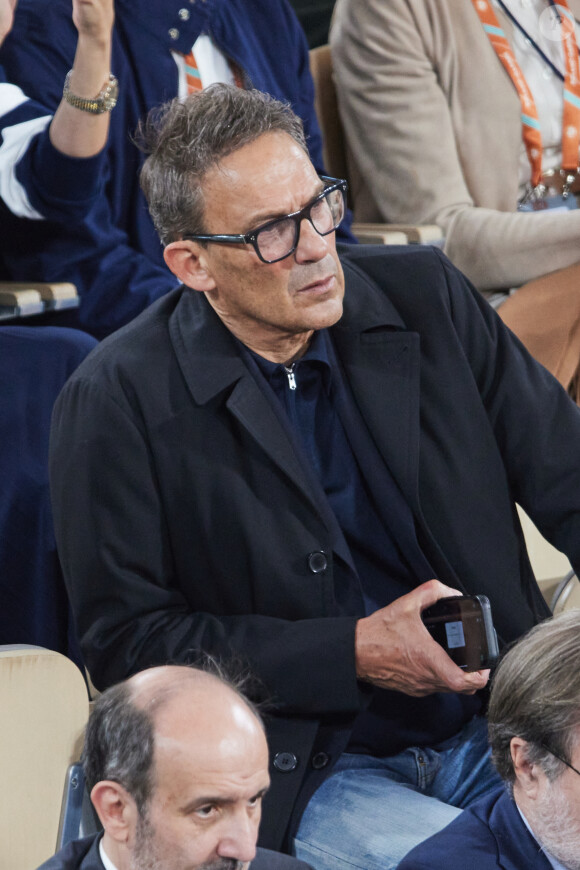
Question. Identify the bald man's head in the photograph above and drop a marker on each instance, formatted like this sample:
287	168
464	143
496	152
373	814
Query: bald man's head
177	763
123	727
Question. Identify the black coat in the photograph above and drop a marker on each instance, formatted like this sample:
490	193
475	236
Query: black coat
185	520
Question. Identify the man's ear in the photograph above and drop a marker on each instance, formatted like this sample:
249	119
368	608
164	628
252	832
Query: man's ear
116	809
527	774
188	261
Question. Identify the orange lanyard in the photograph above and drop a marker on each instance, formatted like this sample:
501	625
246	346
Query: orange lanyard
531	132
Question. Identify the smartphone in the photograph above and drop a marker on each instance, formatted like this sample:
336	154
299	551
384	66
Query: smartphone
463	626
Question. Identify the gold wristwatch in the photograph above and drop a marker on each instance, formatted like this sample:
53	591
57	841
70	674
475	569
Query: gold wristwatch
105	100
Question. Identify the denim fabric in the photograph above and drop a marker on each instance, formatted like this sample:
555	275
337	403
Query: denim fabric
371	811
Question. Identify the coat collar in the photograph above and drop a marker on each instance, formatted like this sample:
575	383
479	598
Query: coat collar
215	373
380	359
205	349
516	846
207	352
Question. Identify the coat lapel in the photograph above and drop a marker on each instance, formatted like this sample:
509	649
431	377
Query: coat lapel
250	407
381	362
211	365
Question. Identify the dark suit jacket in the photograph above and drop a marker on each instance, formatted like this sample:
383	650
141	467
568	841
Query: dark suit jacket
185	519
84	855
490	835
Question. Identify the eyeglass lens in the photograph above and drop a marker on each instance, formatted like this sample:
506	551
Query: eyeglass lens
279	239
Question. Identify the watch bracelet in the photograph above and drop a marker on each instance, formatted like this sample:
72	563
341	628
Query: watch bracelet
95	105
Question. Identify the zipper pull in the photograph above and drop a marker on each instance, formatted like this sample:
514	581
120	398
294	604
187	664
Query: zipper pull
290	374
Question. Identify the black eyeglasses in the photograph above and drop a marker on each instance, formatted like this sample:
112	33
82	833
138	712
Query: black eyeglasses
277	239
559	757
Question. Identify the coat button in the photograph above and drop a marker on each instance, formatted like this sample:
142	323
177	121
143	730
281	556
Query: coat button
184	14
319	760
285	762
173	32
317	562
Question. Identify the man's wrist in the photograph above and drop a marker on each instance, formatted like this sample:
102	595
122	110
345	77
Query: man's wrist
104	101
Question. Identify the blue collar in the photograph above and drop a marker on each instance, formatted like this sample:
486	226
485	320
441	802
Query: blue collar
320	351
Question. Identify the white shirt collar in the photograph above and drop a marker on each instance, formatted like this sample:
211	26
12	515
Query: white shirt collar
107	863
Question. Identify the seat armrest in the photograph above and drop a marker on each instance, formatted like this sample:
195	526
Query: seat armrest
426	234
19	301
379	234
22	299
59	294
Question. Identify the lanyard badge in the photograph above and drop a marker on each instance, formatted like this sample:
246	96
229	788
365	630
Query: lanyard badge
531	132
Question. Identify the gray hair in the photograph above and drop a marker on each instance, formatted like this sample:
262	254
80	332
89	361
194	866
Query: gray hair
120	736
119	740
535	695
186	138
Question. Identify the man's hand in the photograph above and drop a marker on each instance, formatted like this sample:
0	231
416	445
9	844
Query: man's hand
394	650
93	18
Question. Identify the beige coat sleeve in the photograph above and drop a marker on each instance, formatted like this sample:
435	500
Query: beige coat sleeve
433	124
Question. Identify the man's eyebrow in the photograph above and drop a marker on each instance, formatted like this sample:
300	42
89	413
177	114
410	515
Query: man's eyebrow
264	218
218	800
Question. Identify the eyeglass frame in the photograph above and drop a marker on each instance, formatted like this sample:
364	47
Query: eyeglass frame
559	757
251	238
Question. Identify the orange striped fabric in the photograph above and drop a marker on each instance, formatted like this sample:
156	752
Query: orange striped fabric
193	76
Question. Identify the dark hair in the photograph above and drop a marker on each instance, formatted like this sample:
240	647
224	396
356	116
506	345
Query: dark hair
119	741
535	695
120	736
186	138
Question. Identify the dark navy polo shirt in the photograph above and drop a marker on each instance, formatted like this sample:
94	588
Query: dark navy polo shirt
386	560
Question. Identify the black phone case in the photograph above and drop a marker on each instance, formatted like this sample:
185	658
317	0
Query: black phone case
464	627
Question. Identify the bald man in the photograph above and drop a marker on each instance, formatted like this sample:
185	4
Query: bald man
176	762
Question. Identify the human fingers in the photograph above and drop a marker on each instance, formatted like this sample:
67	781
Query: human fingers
394	650
93	18
430	592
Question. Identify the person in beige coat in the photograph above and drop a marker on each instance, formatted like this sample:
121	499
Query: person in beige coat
433	126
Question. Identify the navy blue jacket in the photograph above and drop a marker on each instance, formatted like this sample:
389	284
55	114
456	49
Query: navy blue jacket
185	521
84	855
53	185
114	256
490	835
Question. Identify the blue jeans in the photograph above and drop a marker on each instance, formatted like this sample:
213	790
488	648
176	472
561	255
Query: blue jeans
371	811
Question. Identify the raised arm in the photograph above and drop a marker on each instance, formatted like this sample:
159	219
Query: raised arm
74	131
51	167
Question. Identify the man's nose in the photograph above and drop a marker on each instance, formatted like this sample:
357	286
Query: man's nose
239	840
311	245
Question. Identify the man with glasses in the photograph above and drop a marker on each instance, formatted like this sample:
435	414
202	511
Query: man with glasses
276	461
532	823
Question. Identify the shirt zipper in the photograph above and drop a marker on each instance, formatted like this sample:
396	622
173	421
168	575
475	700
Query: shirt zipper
290	375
